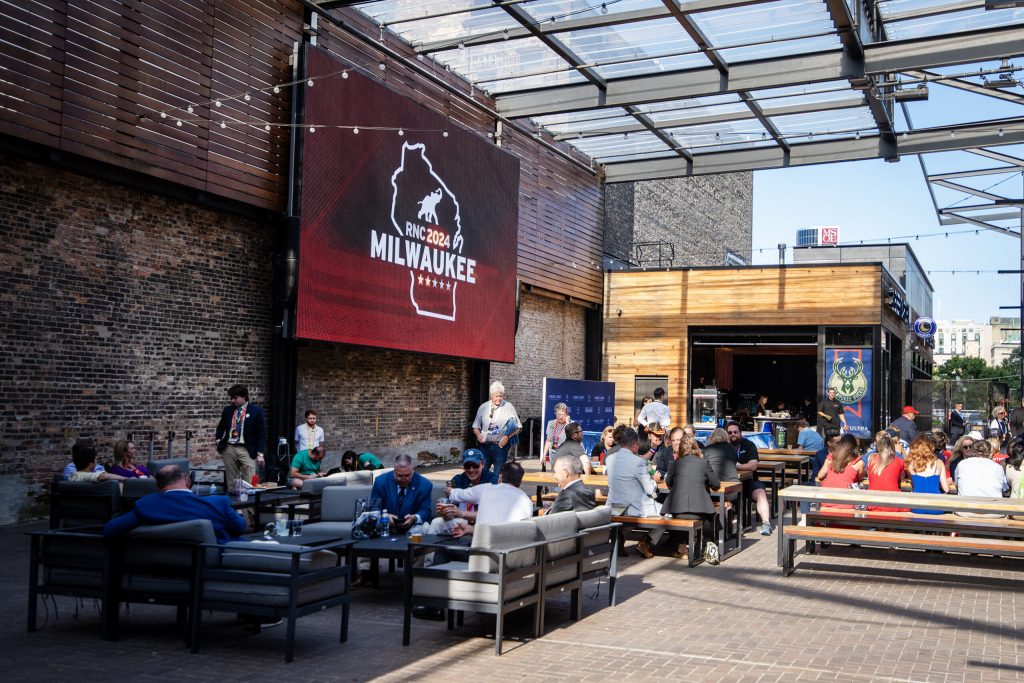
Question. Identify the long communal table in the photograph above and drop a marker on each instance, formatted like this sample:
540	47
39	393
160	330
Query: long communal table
794	495
546	480
796	462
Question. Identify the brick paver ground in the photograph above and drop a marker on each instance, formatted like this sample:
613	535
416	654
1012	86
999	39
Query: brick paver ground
855	615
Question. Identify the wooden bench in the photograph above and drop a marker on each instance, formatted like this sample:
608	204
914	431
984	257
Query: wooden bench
893	539
931	531
910	521
690	526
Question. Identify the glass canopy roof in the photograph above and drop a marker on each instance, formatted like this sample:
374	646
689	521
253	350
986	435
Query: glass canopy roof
660	88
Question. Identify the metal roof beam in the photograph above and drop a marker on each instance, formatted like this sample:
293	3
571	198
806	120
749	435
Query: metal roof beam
968	86
919	53
971	174
956	220
917	142
554	44
933	11
582	24
987	226
998	156
982	207
755	109
718	118
957	187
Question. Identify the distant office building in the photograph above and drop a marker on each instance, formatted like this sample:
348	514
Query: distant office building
822	235
992	341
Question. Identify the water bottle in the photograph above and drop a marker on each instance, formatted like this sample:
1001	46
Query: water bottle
385	525
213	489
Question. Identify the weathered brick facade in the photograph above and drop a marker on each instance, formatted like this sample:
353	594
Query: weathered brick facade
391	402
702	217
123	312
127	312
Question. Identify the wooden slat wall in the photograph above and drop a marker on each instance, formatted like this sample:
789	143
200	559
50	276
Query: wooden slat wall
91	77
81	76
658	308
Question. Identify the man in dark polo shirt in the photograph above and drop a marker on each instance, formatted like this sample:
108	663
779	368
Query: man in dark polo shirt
746	460
830	411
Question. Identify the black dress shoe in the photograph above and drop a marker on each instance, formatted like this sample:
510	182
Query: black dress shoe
431	613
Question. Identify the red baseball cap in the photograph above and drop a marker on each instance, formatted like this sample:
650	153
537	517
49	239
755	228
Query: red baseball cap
911	409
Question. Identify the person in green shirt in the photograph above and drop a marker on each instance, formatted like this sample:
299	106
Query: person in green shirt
350	462
306	465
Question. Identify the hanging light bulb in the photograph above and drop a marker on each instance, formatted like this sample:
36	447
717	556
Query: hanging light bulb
355	131
718	136
178	123
505	37
163	115
445	134
312	129
217	103
247	97
190	110
382	66
1000	132
309	83
952	133
344	74
604	8
401	132
223	124
856	135
267	127
276	89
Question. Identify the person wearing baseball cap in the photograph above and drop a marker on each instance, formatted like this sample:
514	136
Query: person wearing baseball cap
905	424
473	471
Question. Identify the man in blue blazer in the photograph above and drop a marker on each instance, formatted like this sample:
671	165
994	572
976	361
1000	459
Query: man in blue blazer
241	436
404	494
176	503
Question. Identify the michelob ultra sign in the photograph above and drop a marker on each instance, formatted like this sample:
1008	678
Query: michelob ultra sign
406	241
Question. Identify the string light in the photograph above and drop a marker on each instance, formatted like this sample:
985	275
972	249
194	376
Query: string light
312	129
190	110
309	83
217	103
163	115
401	132
246	97
223	124
344	74
178	123
277	89
355	131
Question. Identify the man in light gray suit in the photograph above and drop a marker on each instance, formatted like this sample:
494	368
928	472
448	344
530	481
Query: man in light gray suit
631	489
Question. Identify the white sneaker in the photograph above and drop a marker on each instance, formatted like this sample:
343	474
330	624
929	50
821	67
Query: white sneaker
711	555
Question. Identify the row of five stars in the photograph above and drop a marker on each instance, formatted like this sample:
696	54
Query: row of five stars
434	283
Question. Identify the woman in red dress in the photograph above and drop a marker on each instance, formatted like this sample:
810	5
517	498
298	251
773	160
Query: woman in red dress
885	470
841	469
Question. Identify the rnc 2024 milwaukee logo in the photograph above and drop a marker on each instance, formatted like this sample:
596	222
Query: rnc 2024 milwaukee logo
425	215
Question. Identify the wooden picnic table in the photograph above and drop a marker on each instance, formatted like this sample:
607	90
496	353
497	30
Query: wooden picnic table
544	480
794	495
796	461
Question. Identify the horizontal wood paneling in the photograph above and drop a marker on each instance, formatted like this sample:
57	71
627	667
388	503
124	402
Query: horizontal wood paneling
650	335
92	76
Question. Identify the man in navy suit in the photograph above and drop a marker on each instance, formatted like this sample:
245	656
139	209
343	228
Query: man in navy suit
241	436
404	494
176	503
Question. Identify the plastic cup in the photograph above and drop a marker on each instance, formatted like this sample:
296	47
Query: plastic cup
297	527
281	527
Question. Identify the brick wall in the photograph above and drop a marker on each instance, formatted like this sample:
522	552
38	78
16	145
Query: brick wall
549	344
385	402
391	402
122	312
702	217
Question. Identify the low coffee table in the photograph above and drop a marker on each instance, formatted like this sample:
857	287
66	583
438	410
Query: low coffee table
393	548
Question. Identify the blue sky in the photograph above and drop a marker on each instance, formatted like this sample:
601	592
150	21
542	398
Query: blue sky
875	200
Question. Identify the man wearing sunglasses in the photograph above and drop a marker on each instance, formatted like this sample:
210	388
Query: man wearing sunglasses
472	474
